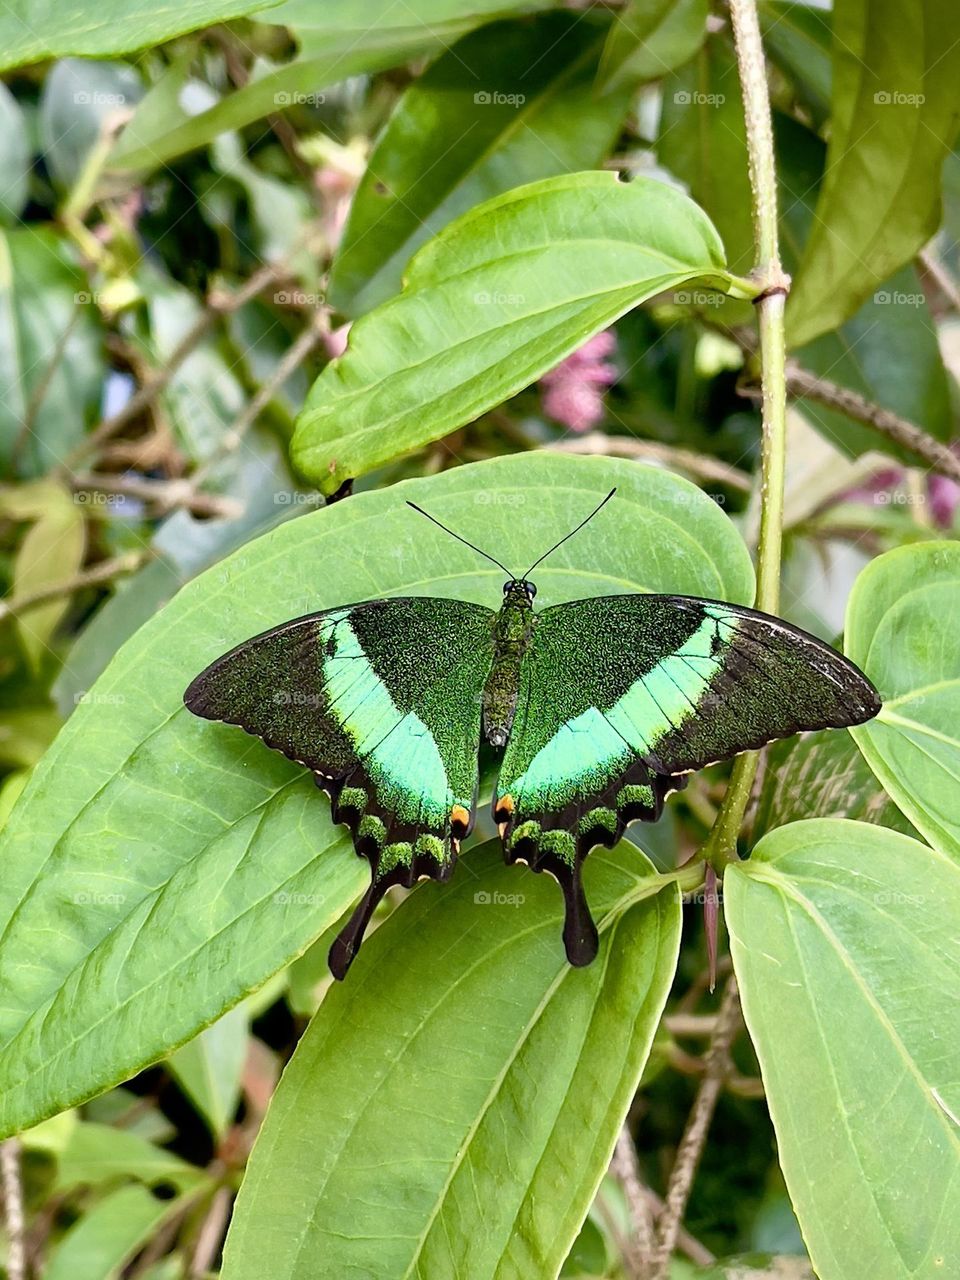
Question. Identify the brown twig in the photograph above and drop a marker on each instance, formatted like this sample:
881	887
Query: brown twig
292	358
219	303
211	1234
695	464
688	1244
801	382
941	277
625	1167
103	572
690	1024
695	1134
13	1208
165	495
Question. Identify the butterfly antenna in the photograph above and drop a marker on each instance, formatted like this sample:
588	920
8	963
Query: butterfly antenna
566	536
459	539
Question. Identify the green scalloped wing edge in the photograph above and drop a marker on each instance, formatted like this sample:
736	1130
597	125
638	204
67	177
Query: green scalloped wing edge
382	701
621	696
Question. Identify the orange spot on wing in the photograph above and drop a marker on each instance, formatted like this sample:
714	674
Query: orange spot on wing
505	808
460	816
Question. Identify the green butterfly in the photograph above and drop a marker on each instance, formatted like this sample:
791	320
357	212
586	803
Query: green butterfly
601	706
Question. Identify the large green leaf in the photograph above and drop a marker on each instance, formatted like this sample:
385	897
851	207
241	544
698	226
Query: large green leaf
334	45
500	1074
894	118
31	30
903	629
51	366
845	947
490	114
170	865
494	300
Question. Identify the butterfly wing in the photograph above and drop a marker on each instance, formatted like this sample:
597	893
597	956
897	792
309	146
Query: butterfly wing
622	695
382	701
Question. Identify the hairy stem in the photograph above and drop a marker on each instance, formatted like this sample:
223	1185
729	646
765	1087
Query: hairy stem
801	382
13	1208
721	845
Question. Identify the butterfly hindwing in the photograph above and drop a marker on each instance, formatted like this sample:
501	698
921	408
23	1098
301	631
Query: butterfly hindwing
382	700
620	696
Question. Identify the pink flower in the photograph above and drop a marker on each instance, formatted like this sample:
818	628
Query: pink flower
573	391
944	499
943	494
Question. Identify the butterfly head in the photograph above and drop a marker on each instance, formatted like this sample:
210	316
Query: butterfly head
520	590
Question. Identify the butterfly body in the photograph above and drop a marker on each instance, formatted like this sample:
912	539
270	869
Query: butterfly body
601	706
512	636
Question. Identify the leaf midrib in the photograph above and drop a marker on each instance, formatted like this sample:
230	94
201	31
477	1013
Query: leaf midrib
788	887
159	978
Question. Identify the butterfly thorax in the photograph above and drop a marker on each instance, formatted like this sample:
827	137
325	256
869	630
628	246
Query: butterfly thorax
512	632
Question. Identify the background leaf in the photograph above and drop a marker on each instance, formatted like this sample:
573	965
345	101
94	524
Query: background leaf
14	157
501	295
443	20
822	775
50	354
894	119
96	1155
166	129
903	629
180	910
649	38
888	350
51	553
797	38
80	99
702	142
97	1247
490	114
31	30
465	995
844	945
209	1068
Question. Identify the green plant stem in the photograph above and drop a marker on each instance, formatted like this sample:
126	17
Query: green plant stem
720	847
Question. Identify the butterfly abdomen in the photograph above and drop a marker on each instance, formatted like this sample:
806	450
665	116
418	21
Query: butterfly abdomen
512	633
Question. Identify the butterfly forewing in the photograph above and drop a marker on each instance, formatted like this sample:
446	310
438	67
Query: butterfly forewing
382	700
622	695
